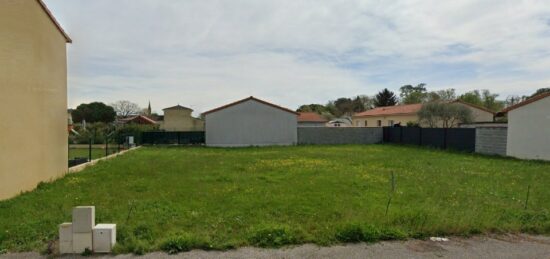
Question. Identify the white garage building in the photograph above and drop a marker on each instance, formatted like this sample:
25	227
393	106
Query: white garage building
250	122
529	128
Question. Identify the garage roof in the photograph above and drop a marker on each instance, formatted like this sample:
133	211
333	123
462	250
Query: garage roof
248	99
528	101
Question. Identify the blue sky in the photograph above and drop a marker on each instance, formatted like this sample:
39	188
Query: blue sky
202	54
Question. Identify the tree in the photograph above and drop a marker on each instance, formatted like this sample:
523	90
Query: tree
413	94
125	108
357	105
94	112
472	97
385	98
318	108
541	91
490	101
368	101
442	95
446	115
514	99
484	98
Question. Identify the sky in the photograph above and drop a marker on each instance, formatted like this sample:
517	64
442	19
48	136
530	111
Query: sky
205	53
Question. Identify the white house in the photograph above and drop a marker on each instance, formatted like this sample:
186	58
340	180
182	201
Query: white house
250	122
529	128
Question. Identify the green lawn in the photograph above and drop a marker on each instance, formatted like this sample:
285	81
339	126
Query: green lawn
175	199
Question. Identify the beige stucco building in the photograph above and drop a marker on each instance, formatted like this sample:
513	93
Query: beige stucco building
529	128
179	118
390	115
33	83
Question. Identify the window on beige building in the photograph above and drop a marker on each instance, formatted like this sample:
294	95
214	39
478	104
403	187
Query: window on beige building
390	123
379	123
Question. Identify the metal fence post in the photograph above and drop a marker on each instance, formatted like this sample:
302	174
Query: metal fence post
444	138
90	150
420	138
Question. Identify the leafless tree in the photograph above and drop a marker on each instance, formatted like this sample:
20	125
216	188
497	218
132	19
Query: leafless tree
125	108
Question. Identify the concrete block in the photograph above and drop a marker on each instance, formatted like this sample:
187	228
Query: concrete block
83	219
66	247
81	241
104	237
66	232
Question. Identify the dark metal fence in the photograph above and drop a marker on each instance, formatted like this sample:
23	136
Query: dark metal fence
172	138
463	139
85	152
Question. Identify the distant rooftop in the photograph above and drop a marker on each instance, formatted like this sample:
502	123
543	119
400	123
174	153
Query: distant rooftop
391	110
311	117
177	107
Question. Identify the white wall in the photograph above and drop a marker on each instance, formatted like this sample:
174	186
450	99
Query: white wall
250	123
529	131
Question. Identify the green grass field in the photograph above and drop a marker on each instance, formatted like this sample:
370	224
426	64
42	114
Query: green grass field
174	199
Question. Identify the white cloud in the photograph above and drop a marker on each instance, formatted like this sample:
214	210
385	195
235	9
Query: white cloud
205	53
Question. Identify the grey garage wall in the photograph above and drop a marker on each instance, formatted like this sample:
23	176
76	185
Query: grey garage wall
491	140
250	123
328	135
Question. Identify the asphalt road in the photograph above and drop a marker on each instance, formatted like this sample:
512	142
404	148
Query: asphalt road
502	246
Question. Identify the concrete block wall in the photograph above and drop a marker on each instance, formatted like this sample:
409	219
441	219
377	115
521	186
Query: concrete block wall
491	140
335	135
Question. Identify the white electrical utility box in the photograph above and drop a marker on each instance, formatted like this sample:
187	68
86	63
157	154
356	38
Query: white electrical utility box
66	238
81	242
83	219
104	237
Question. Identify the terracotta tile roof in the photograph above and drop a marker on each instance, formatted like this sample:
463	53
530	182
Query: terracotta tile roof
52	18
391	110
247	99
139	118
311	117
528	101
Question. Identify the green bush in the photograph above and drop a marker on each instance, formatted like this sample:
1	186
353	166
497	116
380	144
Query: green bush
351	233
274	236
180	243
392	234
143	232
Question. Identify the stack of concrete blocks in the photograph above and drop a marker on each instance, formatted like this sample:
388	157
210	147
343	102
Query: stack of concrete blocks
83	234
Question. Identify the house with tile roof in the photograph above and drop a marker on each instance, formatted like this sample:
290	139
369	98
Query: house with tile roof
180	118
311	119
33	75
402	114
529	128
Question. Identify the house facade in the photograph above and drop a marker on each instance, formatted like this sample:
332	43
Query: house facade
529	128
33	79
251	122
311	119
387	116
179	118
391	115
